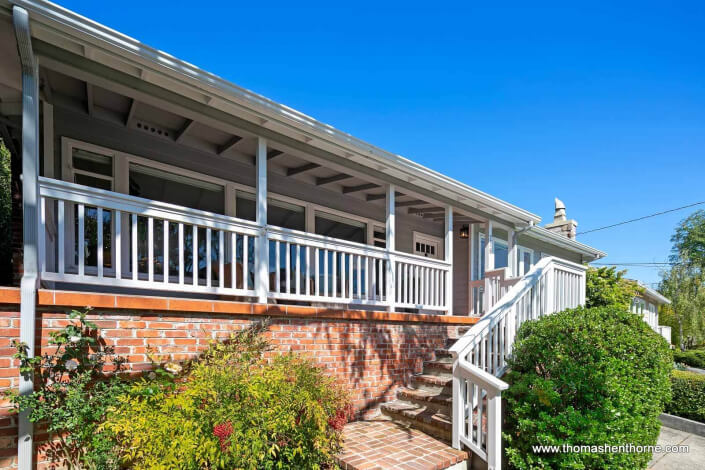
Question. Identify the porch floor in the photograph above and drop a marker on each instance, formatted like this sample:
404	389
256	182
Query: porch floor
382	444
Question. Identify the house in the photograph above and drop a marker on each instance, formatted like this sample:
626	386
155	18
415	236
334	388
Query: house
181	207
647	305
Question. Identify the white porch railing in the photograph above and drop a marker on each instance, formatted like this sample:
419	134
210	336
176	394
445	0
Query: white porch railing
129	241
480	355
92	236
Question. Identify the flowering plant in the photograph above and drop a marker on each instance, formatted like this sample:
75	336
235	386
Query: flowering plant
72	392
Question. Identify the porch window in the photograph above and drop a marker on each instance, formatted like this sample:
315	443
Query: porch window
164	186
336	226
94	170
279	213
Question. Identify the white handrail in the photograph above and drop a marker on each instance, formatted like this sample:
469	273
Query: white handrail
480	354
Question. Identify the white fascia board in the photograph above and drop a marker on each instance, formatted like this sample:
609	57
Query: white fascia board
654	295
94	35
545	235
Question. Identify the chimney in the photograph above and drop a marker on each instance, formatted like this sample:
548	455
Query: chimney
561	224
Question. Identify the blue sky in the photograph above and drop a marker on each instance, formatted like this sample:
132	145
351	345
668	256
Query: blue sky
600	105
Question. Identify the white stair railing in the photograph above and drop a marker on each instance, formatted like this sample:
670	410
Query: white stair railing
480	355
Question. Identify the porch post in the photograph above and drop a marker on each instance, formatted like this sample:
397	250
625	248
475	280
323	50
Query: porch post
30	218
489	266
390	230
262	245
489	248
512	253
449	258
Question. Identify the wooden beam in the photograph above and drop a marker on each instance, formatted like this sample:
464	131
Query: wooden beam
415	202
376	197
182	133
131	112
302	169
332	179
89	99
361	187
425	210
273	154
229	144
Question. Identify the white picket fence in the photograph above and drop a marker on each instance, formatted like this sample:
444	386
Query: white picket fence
93	236
480	355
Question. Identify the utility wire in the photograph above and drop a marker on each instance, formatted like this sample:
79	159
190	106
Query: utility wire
640	218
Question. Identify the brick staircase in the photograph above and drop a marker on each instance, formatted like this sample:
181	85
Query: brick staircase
425	404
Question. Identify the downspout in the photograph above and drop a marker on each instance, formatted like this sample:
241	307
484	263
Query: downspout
30	218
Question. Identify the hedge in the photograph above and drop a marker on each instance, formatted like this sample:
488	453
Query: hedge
590	376
691	357
688	389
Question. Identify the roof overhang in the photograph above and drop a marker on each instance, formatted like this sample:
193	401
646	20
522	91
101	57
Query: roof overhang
653	295
587	252
81	35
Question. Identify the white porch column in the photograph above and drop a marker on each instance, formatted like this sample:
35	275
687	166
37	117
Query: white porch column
449	258
512	254
30	219
489	248
262	245
390	230
489	266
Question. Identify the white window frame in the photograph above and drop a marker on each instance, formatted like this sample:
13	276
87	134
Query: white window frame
521	251
421	237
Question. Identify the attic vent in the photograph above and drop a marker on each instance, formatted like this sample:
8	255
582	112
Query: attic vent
152	129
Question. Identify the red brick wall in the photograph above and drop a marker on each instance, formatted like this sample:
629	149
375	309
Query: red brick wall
371	358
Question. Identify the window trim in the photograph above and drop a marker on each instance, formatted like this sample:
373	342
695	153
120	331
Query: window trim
417	236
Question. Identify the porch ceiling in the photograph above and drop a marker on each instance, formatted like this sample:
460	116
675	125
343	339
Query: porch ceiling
64	90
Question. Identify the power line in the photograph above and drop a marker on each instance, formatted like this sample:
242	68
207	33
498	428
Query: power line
641	218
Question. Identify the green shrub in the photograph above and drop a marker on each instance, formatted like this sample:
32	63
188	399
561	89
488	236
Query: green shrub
607	287
690	357
585	377
688	389
233	409
72	394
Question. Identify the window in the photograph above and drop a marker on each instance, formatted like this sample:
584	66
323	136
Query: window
96	170
160	185
427	245
279	213
92	169
336	226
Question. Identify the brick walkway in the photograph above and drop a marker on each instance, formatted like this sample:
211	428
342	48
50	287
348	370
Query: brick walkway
382	444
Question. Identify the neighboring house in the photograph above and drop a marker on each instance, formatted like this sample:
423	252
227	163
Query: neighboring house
647	306
156	190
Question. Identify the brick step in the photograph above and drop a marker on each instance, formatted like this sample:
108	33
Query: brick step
426	420
433	384
439	403
443	355
443	368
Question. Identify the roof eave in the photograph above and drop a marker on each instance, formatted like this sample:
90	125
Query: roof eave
589	253
148	58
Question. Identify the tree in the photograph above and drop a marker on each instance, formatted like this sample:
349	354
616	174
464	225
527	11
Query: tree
606	287
5	216
683	282
689	242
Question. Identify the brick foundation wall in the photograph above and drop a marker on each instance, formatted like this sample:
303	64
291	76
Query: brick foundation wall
370	353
